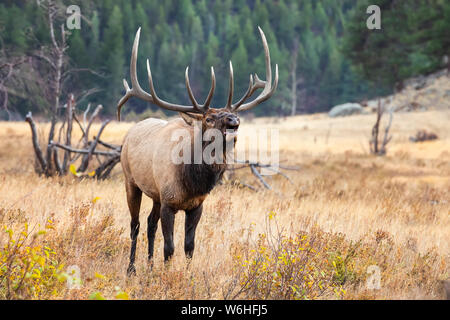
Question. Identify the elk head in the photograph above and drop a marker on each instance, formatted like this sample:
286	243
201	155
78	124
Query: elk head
224	119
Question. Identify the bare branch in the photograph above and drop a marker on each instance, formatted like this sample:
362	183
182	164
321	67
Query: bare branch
79	124
94	114
4	78
58	167
387	138
34	138
258	175
109	146
69	121
253	167
41	56
104	170
374	144
86	158
83	151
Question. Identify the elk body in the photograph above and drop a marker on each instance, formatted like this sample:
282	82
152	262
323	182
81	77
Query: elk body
147	158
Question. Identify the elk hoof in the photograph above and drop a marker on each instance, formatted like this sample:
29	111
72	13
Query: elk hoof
131	271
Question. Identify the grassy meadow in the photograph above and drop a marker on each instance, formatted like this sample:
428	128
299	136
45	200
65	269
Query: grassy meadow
313	238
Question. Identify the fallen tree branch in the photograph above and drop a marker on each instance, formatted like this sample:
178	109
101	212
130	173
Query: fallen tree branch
36	147
258	175
85	161
261	165
109	145
69	121
254	169
83	151
105	169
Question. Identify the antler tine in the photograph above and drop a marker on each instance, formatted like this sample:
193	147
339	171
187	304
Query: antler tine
163	104
211	91
248	93
124	99
138	92
188	86
268	90
231	89
202	108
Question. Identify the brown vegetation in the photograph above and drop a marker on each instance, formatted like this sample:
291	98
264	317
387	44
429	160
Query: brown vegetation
346	210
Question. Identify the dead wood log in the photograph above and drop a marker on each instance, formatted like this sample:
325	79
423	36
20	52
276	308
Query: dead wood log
36	146
255	166
85	149
69	121
92	146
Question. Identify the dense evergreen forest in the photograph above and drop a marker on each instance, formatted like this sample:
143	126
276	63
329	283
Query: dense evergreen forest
326	54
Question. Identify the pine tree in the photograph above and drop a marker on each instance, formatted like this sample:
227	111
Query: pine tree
324	45
77	49
239	59
15	29
113	55
94	37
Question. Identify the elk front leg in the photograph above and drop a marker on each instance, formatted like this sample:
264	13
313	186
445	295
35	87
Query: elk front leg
134	197
167	222
152	221
192	219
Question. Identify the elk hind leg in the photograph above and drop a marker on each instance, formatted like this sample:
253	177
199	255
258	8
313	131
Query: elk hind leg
152	226
134	198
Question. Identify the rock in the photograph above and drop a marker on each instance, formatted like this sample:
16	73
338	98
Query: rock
423	135
346	109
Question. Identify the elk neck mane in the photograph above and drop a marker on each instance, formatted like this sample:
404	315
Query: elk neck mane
199	179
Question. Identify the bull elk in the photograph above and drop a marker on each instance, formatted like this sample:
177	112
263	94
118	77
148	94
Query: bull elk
146	154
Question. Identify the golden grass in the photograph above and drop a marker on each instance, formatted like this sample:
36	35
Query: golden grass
403	197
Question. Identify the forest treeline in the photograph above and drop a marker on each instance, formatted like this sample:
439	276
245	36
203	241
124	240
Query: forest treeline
326	54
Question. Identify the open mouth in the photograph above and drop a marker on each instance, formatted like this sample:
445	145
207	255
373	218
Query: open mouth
231	130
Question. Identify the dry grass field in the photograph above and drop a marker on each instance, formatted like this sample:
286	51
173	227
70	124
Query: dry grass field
314	238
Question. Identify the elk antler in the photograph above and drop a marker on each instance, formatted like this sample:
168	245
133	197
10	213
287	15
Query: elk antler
203	108
255	83
138	92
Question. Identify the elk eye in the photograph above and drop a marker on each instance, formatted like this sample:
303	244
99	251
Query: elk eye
209	120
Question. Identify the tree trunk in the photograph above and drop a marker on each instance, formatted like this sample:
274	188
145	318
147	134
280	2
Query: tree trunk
59	52
69	120
294	89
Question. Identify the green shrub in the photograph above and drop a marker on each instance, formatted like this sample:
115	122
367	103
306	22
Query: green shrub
28	268
287	267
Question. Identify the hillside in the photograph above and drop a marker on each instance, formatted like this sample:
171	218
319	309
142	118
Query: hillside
318	45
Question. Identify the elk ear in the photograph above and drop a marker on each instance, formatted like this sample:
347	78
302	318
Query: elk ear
190	118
